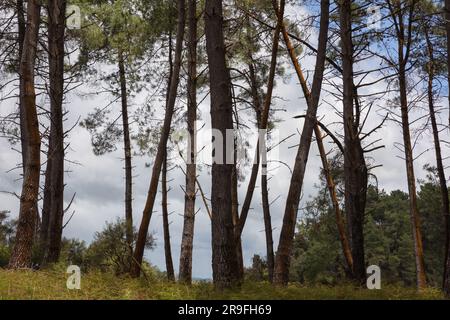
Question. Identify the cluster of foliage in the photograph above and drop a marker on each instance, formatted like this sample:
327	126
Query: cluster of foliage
318	256
7	231
108	252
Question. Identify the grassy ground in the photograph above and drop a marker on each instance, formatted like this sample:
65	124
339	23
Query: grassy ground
51	285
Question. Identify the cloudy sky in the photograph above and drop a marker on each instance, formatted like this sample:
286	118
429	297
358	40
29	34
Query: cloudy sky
99	186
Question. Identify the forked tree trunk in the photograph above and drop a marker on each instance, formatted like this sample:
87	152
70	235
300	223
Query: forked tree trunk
263	117
22	251
187	241
224	258
262	120
282	261
56	32
127	153
166	224
355	168
159	159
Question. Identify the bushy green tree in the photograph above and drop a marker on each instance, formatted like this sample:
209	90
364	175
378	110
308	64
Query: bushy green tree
318	258
109	251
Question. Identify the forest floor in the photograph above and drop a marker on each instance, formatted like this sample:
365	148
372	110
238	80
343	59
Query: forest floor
51	285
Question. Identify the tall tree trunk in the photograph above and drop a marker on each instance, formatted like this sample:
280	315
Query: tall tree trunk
445	204
333	196
187	241
447	28
264	180
404	40
56	32
159	159
22	251
166	224
127	153
21	27
414	211
235	214
282	261
355	168
224	258
267	225
447	217
263	117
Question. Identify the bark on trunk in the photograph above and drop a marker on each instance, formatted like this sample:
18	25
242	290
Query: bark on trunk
282	261
235	214
127	153
445	204
404	42
355	169
153	189
333	196
22	251
224	258
56	32
21	27
447	28
165	213
185	275
263	118
267	226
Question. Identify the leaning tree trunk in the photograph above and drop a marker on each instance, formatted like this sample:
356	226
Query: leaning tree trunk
56	31
262	120
224	258
355	169
166	224
445	204
334	199
160	154
127	153
282	261
263	117
22	251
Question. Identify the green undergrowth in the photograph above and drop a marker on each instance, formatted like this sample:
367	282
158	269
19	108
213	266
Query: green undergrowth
51	285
